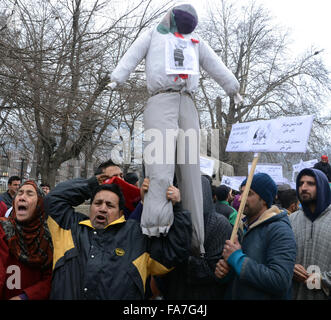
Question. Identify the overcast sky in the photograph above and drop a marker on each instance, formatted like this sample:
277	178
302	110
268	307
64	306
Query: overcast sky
309	22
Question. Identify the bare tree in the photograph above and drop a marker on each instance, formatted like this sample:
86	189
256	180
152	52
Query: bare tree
272	83
59	63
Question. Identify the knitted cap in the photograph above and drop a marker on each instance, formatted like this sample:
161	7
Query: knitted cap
324	158
264	186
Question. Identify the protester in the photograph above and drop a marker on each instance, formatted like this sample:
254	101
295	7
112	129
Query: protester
13	185
171	106
3	208
289	201
110	169
280	189
222	206
45	187
26	248
106	256
324	166
194	279
311	226
264	261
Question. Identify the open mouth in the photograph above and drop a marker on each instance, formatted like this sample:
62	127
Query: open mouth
22	211
100	218
22	208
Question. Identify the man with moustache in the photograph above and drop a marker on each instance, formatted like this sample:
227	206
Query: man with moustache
106	256
264	260
311	226
7	197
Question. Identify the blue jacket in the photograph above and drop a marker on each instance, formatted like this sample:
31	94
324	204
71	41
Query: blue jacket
264	266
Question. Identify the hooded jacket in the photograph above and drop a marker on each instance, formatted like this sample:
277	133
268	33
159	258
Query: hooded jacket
313	238
152	46
195	279
264	265
323	196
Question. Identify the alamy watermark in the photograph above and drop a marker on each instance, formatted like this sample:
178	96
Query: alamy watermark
168	146
14	280
314	280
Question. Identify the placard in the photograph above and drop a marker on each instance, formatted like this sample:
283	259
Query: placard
275	171
207	166
233	182
180	56
288	134
303	165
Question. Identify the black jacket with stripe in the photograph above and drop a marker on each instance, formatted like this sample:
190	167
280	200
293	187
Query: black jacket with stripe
112	263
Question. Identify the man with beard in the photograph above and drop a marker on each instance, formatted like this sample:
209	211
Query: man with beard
311	226
264	261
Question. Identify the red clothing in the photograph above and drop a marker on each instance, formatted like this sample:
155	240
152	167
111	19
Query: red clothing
3	209
35	283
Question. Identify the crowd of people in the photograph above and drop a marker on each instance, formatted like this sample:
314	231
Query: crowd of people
167	235
49	250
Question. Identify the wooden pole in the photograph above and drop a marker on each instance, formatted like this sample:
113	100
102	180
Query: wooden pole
244	196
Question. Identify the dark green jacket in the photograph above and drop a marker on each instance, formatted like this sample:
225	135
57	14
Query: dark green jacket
112	263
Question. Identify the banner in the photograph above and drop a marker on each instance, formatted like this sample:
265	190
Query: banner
275	171
303	165
289	134
207	166
232	182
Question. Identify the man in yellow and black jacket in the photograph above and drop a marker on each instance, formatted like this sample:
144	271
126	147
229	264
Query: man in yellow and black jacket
105	256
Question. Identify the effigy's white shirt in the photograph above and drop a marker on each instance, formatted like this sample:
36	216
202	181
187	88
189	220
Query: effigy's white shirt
151	45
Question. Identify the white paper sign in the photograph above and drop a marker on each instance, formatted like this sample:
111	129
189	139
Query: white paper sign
233	182
275	171
289	134
304	164
180	56
207	166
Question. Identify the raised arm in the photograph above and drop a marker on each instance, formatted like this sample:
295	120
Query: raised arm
60	202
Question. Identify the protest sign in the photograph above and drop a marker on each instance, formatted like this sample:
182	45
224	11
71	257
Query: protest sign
289	134
207	166
304	164
233	182
275	171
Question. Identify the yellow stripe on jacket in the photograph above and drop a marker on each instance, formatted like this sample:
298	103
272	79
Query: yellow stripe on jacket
62	240
148	266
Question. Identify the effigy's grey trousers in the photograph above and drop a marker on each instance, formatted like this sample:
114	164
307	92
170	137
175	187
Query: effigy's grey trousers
171	118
